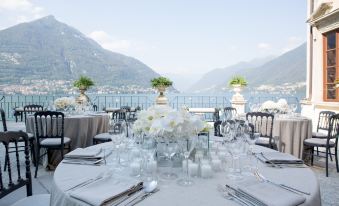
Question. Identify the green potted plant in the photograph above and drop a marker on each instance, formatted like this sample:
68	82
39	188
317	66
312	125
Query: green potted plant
83	83
161	83
237	83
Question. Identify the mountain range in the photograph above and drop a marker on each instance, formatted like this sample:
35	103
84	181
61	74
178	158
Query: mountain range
289	67
49	49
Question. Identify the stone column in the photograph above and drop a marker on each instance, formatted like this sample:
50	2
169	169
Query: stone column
239	105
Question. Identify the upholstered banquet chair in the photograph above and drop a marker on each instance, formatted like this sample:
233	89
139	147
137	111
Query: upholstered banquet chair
10	147
229	113
118	120
263	124
49	130
17	176
31	109
323	126
331	141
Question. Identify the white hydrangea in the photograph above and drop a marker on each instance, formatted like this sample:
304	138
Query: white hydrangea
280	106
64	102
165	121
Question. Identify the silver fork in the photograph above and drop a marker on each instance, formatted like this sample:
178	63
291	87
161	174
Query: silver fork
289	188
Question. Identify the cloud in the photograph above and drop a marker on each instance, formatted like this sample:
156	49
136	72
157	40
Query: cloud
292	43
13	5
264	46
22	10
109	42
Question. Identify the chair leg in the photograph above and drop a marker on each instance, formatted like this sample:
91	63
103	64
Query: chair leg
312	156
37	161
326	162
62	152
33	151
336	158
5	165
318	151
330	154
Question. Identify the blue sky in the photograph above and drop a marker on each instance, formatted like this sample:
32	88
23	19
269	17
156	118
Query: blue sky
176	36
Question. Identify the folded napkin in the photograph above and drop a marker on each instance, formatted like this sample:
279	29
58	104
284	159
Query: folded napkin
278	158
105	191
84	153
271	195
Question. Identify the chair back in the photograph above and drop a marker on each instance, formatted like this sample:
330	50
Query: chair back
49	124
333	130
13	178
3	120
31	109
324	120
119	115
262	122
127	108
229	113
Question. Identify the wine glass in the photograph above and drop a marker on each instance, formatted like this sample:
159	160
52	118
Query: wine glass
187	148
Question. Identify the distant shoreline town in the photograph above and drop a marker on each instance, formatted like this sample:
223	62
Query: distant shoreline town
46	87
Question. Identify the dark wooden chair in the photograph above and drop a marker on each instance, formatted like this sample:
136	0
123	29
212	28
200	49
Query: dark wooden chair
323	126
331	141
263	124
95	107
49	131
15	178
118	119
229	113
31	139
31	109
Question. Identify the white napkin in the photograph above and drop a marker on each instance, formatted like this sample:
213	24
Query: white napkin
84	153
279	158
103	191
272	195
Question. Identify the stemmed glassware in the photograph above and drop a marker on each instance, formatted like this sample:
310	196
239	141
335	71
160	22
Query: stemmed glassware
169	151
187	147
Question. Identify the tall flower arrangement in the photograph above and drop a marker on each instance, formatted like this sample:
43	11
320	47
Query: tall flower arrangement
163	121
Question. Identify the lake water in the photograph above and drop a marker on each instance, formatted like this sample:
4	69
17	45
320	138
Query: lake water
9	102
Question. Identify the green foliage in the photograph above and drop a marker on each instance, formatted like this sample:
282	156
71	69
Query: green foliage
161	82
84	82
238	80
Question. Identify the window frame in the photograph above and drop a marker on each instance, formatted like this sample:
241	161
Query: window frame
325	67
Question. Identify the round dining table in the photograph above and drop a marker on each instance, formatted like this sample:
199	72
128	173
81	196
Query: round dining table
292	131
79	128
203	192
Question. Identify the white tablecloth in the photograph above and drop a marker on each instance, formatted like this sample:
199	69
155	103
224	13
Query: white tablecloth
203	193
292	132
80	128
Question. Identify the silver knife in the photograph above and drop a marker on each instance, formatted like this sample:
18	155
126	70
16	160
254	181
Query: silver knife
141	198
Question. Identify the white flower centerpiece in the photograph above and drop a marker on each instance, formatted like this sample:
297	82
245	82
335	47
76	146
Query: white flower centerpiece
165	127
280	107
163	121
64	103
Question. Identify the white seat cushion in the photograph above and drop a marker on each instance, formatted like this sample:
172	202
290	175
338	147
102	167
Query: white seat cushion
318	142
54	141
36	200
319	135
103	136
263	141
